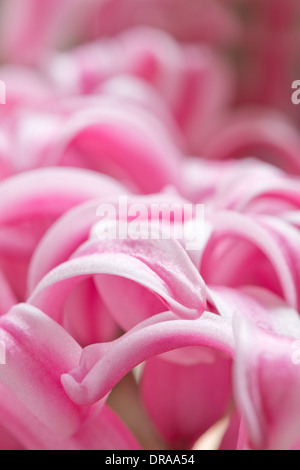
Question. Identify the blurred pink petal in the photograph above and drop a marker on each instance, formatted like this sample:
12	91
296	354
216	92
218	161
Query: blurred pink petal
7	298
41	25
159	102
260	133
230	437
190	79
185	401
33	27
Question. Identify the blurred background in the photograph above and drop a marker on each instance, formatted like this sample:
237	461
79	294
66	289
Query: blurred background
223	68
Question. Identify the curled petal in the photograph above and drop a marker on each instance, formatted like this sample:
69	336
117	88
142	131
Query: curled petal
102	366
50	192
253	133
61	240
76	226
161	266
271	190
121	140
30	202
257	305
237	238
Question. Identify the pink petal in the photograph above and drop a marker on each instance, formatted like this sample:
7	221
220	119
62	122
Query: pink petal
267	387
252	132
7	297
87	318
271	190
230	438
31	202
50	191
268	243
185	401
257	305
266	375
28	28
73	228
38	351
102	431
121	140
102	366
162	266
192	22
61	240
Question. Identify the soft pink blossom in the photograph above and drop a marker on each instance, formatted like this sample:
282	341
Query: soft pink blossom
139	342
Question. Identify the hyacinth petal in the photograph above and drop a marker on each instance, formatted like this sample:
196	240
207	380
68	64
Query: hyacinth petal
192	22
38	351
230	437
266	332
259	134
7	297
185	401
194	82
30	202
77	225
272	197
42	27
34	24
260	240
5	164
288	238
86	317
102	366
61	240
102	431
161	266
271	190
267	385
233	190
122	140
8	442
257	305
105	431
50	192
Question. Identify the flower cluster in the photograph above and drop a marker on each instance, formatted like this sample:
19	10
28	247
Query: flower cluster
130	343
